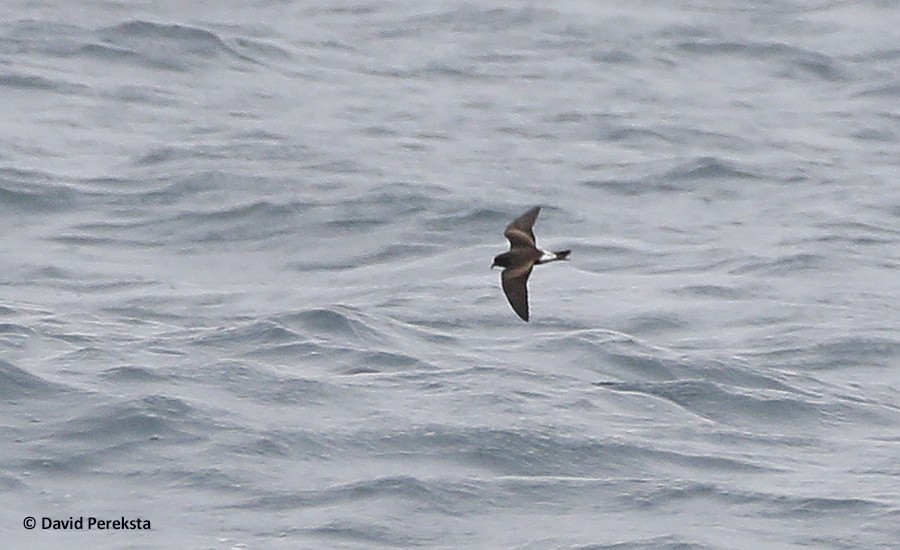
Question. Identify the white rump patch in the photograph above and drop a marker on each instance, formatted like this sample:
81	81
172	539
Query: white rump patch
547	256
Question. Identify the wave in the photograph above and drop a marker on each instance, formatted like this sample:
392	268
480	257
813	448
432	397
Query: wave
336	339
138	420
540	452
168	46
730	404
684	176
158	45
24	191
797	62
838	353
17	383
30	82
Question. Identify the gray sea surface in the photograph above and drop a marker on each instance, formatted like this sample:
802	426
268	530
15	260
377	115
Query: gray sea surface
245	296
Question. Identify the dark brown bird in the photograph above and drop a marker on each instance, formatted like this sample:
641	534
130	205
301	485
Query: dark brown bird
523	255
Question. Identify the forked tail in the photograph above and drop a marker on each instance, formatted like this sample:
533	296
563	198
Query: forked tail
562	254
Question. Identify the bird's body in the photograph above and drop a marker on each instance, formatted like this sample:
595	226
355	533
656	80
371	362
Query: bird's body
523	255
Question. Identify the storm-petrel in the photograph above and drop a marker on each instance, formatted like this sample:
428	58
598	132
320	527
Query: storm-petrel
522	256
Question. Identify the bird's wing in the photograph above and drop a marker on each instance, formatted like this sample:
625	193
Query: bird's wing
519	231
513	281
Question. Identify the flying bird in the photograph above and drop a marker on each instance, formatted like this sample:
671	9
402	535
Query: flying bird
523	255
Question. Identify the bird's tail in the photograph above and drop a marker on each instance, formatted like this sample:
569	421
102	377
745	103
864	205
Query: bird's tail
552	256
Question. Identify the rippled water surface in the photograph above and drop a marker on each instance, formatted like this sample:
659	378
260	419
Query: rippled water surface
246	296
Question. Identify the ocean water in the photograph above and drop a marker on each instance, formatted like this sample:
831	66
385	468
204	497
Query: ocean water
245	296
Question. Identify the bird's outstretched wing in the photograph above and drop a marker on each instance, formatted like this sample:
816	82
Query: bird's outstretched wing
519	232
514	286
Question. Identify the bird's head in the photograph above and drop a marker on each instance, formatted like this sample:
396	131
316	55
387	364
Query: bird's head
501	260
